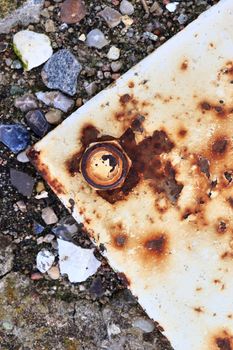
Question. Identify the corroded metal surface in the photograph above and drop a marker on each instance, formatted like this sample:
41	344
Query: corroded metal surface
168	228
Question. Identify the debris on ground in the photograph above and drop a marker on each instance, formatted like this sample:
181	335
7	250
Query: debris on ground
44	260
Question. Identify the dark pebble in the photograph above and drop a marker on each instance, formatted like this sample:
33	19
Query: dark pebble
22	182
96	288
14	136
37	122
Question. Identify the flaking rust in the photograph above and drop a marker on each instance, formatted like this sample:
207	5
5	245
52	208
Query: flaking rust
167	228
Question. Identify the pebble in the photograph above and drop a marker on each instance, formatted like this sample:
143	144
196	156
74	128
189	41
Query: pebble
113	329
22	206
36	276
32	48
116	66
96	288
49	216
91	88
82	37
44	260
16	64
128	21
182	18
14	136
65	229
50	26
15	90
72	11
56	99
54	272
112	17
63	27
43	194
156	9
7	326
171	7
61	72
3	46
78	263
95	38
126	8
26	103
145	325
113	53
22	157
40	187
37	122
37	228
23	182
54	116
151	36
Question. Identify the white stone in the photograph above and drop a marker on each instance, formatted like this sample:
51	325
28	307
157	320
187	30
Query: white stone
43	194
126	8
49	216
22	157
55	99
82	37
113	53
145	325
113	329
171	7
54	272
78	263
32	48
44	260
95	38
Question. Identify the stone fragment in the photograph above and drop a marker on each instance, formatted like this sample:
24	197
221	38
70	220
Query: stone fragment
37	228
14	136
32	48
112	17
44	260
56	99
95	38
61	72
6	255
49	216
146	325
182	18
78	263
126	7
37	122
171	6
91	88
23	182
54	272
116	66
156	9
26	103
54	116
72	11
113	53
50	26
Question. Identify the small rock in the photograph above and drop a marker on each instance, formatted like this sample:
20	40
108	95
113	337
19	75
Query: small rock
145	325
112	17
37	228
65	229
72	11
151	36
40	187
171	6
22	182
91	88
8	61
6	255
113	329
37	122
49	216
36	276
44	260
78	263
22	157
128	21
95	38
82	37
50	26
3	46
63	27
22	206
15	90
61	72
16	64
54	272
96	288
116	66
113	53
56	99
7	326
43	194
26	103
156	9
54	116
32	48
126	8
182	18
46	239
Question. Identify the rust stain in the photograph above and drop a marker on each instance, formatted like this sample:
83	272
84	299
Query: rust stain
230	201
198	309
224	343
131	84
125	99
221	227
124	279
182	133
155	246
184	65
219	147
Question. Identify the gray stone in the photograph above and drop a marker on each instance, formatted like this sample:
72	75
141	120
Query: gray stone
37	122
26	103
29	12
50	26
156	9
91	88
182	18
126	7
112	17
95	38
3	46
146	325
16	64
61	72
116	66
22	182
54	116
6	255
49	216
56	99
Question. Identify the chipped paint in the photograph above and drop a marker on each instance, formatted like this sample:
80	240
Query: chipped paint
167	230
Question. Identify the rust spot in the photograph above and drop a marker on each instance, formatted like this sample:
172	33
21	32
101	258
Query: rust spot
182	133
120	240
198	309
219	146
230	201
124	279
156	245
229	316
33	155
199	289
184	65
205	106
131	84
221	227
227	255
204	165
137	124
89	134
223	343
219	109
125	99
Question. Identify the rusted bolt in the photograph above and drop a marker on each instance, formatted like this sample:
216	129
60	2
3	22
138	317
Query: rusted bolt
105	165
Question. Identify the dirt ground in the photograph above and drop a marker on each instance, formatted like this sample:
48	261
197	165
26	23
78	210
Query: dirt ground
46	314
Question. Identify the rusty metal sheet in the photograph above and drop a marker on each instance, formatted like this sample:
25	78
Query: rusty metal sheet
167	226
